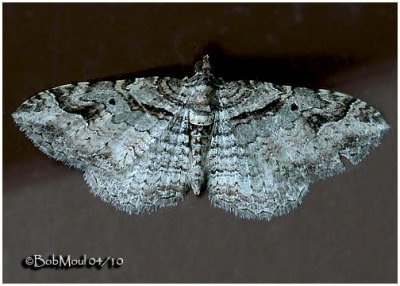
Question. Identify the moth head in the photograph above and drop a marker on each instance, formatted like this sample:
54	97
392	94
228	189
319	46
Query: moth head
203	66
203	77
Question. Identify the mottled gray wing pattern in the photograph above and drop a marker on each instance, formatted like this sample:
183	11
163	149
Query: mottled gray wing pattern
157	179
266	151
103	127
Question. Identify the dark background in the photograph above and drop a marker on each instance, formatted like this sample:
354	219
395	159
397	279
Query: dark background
344	232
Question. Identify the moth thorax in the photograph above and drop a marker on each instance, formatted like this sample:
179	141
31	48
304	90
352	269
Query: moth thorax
201	118
204	88
201	113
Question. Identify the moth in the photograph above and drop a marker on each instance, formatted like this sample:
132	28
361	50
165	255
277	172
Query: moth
254	147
